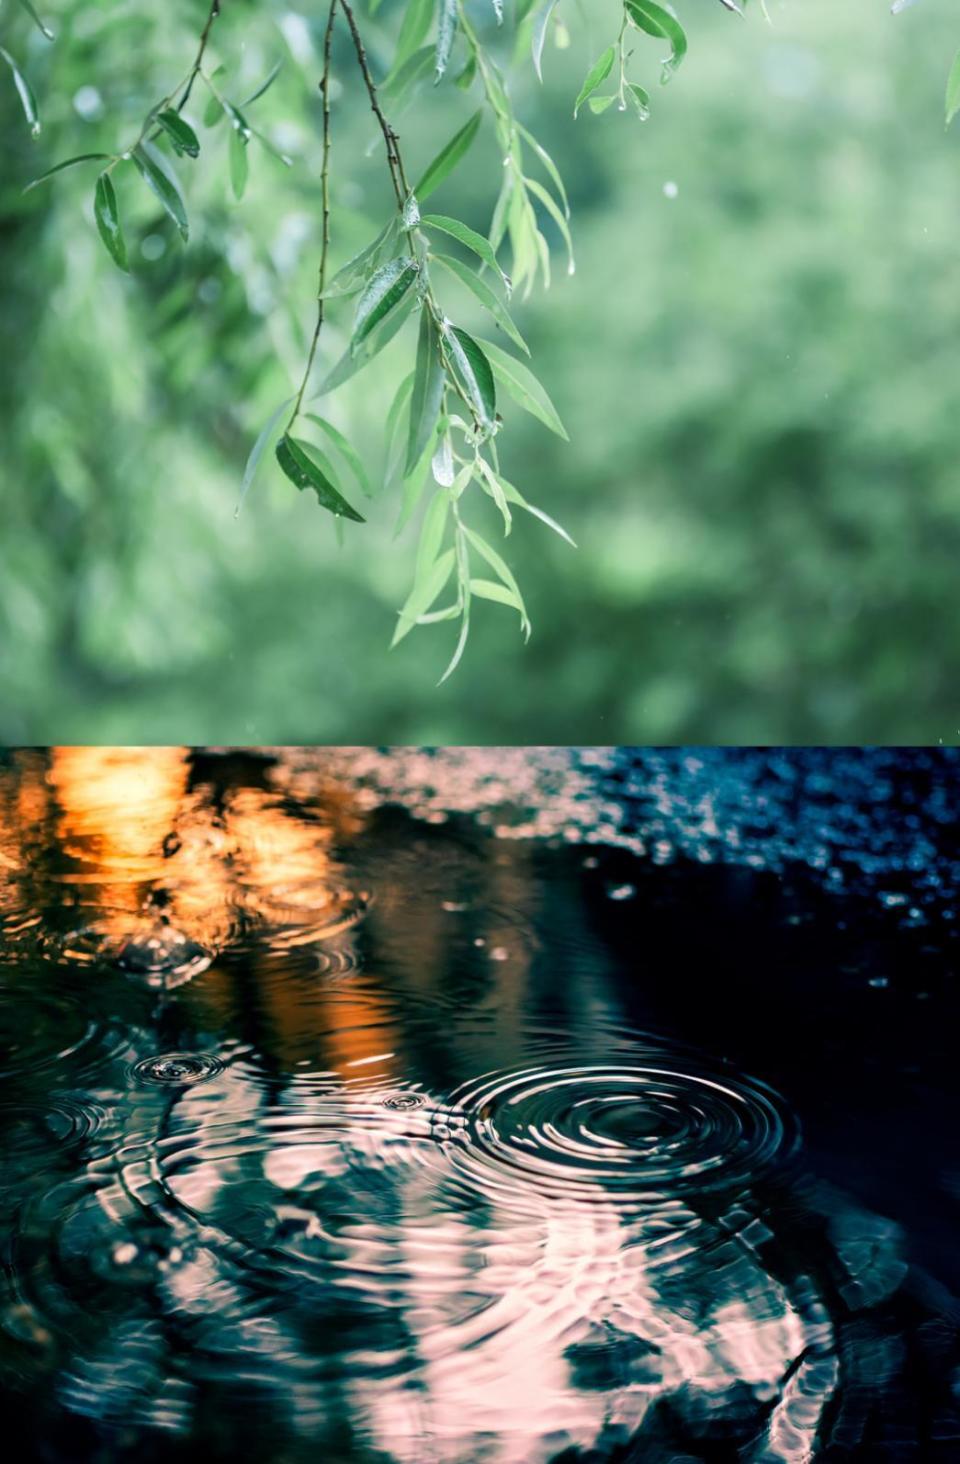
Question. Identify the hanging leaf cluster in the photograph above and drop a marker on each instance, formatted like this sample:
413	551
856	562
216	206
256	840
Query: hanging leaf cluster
444	428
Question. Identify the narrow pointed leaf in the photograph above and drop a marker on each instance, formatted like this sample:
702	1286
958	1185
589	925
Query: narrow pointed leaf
350	277
462	641
598	72
428	381
417	20
264	85
386	289
475	373
43	29
524	387
258	449
491	590
108	220
540	28
304	471
423	594
485	295
657	20
355	358
466	236
953	90
181	134
448	157
501	569
160	177
415	69
25	92
514	496
67	163
346	450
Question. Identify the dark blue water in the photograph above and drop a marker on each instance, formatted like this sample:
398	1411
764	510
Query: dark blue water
504	1105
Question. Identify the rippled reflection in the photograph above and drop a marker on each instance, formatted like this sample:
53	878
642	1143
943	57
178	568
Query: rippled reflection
332	1132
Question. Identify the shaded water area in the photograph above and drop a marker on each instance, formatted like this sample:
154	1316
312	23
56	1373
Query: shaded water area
495	1105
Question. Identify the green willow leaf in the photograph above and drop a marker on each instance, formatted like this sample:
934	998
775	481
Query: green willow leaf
502	570
239	163
428	381
524	387
540	28
431	534
485	295
600	104
446	31
180	133
108	220
346	450
264	85
491	590
43	29
659	21
68	163
953	90
258	449
25	92
641	100
549	165
423	595
598	72
448	157
356	357
466	236
384	292
513	495
350	278
475	375
160	177
416	68
304	471
417	20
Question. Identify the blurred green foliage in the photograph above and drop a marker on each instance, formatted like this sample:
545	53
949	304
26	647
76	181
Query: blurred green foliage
756	361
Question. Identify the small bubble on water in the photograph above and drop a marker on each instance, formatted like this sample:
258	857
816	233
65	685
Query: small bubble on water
125	1254
499	953
178	1068
403	1100
621	892
880	982
670	189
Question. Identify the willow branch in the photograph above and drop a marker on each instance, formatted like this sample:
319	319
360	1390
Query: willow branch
391	141
325	209
198	60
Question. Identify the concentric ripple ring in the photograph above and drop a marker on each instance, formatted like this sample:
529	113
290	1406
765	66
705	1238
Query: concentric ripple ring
628	1133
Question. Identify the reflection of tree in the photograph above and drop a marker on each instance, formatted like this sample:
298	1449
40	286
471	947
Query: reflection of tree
289	1261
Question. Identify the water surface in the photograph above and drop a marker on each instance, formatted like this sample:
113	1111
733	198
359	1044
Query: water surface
467	1106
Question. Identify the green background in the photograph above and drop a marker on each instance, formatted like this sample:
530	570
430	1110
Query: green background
759	377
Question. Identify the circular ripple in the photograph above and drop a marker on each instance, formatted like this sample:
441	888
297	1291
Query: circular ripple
40	1031
634	1133
179	1069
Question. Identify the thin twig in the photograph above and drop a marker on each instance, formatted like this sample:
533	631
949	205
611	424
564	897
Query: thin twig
198	62
325	207
400	185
